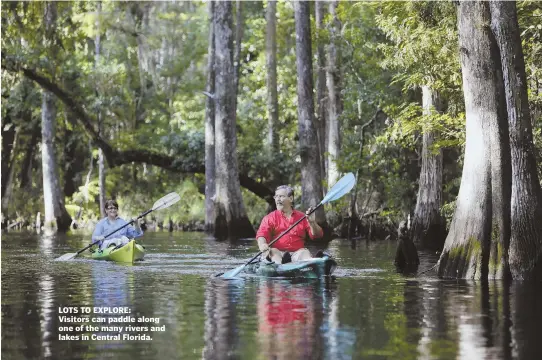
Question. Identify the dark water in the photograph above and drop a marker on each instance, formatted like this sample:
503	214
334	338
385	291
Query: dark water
366	312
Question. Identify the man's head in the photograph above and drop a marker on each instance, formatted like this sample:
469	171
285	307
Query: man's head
284	197
111	207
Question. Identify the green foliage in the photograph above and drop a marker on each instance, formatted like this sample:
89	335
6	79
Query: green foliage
147	83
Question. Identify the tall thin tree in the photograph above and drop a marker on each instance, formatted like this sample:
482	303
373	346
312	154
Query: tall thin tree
210	175
271	62
101	158
311	178
334	97
321	94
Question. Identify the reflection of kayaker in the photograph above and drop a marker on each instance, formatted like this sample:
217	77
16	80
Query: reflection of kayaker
287	328
111	222
291	247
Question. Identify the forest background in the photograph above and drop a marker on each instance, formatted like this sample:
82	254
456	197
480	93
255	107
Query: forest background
224	101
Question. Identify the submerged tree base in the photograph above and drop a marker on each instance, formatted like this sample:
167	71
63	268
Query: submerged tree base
462	261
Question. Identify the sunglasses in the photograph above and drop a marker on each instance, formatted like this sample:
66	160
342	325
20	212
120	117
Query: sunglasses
281	197
111	208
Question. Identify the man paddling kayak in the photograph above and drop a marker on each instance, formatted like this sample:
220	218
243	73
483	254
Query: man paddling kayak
112	222
291	247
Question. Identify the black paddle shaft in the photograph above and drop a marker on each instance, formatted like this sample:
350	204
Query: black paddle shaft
284	233
114	231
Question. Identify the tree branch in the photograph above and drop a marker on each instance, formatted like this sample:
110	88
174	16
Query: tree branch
119	157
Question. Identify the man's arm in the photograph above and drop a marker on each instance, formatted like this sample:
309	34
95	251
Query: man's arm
262	244
263	231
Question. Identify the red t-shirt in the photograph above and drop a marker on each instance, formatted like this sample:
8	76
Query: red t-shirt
274	223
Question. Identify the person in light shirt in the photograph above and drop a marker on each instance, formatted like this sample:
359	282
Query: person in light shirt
291	247
112	222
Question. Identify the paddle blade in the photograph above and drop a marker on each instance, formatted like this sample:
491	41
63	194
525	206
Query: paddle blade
342	187
232	273
166	201
66	257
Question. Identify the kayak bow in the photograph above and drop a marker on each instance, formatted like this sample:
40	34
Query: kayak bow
127	253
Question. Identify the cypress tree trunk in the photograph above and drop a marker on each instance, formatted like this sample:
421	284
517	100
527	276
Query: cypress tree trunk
210	128
467	247
271	62
311	179
321	95
428	225
525	247
231	219
56	216
334	98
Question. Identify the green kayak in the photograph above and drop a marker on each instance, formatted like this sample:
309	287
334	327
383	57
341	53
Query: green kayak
312	269
127	253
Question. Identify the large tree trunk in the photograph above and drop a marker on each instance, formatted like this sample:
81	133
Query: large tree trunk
311	178
334	99
210	176
525	247
231	219
321	95
56	216
428	225
271	62
467	247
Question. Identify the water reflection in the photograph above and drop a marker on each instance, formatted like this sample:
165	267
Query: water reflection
526	319
288	320
112	288
220	321
368	315
46	285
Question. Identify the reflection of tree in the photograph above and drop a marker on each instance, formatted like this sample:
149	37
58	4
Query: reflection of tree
425	330
438	339
21	332
527	319
414	311
220	323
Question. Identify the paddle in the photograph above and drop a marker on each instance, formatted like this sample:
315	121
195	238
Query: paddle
160	204
342	187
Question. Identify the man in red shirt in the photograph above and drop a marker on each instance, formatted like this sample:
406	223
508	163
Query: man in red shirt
274	223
